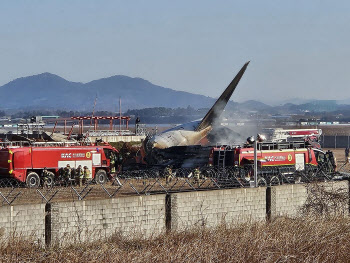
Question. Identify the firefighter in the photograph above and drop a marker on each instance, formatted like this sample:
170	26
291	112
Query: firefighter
113	158
67	172
168	174
79	175
45	177
196	175
347	154
87	175
61	173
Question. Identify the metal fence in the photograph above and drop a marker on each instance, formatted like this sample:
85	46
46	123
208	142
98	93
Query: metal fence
335	141
149	182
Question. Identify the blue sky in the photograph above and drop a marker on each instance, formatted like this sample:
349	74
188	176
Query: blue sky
297	48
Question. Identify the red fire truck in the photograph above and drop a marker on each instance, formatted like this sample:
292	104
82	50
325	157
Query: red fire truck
26	164
281	135
274	159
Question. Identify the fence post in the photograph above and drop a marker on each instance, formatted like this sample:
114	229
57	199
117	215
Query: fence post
255	164
268	203
335	141
168	212
48	225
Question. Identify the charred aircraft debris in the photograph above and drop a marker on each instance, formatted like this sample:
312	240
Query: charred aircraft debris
185	137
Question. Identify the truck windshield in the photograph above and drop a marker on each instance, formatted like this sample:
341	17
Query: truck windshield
107	153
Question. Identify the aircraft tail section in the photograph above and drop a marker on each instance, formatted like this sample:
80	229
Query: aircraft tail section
221	102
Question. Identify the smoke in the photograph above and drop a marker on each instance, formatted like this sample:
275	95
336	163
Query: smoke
194	162
233	127
224	136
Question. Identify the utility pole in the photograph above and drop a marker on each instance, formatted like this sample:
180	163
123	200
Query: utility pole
255	164
120	114
93	111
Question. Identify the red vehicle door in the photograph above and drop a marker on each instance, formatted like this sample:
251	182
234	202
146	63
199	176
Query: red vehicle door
21	163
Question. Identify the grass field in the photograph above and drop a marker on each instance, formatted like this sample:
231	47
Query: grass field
310	239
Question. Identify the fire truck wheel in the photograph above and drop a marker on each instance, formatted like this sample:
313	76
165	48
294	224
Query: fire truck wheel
50	179
33	180
101	177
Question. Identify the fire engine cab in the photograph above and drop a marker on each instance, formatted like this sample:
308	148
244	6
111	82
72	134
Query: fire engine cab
26	164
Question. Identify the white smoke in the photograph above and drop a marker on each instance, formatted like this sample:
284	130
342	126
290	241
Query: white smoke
232	128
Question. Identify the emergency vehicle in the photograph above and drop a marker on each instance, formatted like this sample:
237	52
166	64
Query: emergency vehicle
26	164
281	135
274	159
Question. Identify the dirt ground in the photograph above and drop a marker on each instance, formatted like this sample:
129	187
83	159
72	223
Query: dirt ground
342	165
339	153
116	188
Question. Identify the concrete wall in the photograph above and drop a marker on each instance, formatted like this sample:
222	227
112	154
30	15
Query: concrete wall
93	219
211	208
287	200
27	221
63	222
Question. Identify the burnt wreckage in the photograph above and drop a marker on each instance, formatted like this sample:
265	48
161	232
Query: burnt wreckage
282	161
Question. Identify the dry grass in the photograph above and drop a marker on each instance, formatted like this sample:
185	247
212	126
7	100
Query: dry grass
310	239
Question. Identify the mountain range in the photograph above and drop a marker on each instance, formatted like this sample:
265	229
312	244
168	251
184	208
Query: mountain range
49	91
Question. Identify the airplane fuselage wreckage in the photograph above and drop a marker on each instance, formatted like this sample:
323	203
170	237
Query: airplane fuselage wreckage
193	132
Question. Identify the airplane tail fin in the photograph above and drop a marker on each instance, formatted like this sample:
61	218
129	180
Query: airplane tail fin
221	102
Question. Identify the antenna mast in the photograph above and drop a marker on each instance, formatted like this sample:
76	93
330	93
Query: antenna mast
120	114
92	116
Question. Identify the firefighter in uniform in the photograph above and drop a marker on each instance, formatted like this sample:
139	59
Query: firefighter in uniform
113	157
87	175
347	150
67	173
168	174
79	175
196	175
45	176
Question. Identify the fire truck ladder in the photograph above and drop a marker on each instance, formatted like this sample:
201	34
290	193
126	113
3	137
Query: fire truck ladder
221	157
39	144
